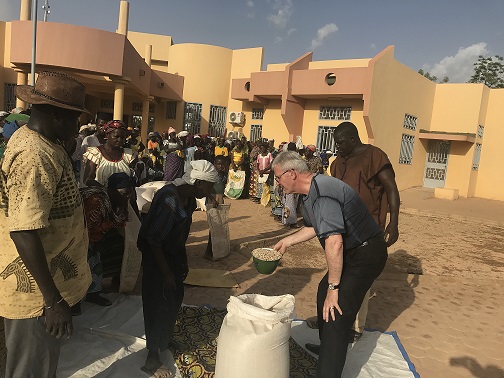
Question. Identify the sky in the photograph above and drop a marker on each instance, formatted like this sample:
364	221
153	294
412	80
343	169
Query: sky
443	37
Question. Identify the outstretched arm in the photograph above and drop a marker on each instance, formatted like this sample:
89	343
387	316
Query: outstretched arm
304	234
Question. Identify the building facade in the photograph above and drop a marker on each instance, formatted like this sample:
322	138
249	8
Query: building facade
436	135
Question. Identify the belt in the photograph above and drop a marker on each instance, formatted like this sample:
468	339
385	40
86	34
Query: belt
375	239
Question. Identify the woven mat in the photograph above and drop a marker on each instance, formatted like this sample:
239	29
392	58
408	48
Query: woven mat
196	332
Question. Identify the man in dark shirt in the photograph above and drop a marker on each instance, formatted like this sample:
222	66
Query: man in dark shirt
368	170
354	247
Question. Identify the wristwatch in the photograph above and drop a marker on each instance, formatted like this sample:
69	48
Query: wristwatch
333	286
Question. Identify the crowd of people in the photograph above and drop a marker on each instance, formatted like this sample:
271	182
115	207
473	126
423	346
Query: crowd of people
68	200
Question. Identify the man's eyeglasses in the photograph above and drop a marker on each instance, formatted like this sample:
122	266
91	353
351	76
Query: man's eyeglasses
277	178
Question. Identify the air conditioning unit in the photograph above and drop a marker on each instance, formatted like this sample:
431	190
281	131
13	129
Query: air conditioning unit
237	118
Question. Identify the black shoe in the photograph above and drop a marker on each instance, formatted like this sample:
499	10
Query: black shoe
314	348
96	298
354	336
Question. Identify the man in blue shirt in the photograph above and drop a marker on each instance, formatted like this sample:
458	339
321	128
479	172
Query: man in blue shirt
354	246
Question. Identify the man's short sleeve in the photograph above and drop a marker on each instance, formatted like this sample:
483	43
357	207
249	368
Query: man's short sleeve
31	183
328	217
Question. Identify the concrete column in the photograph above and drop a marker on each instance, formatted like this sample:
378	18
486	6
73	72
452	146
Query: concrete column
118	101
25	11
122	28
145	119
22	79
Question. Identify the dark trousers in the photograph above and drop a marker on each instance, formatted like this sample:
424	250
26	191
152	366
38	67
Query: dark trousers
31	351
160	306
361	266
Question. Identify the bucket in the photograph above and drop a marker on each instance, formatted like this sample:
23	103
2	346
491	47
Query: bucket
265	260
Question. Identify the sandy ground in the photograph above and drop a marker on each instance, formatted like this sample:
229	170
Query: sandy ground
441	289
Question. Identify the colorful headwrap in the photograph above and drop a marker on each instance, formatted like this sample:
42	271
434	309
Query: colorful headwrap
171	130
311	147
114	125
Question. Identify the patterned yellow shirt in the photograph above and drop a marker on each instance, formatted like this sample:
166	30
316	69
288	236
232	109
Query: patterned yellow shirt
38	191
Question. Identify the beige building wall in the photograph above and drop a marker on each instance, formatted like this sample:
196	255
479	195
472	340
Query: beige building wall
460	108
491	172
396	90
207	73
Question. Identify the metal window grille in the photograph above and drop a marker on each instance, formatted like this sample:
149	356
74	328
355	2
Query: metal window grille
481	130
137	122
9	97
255	132
171	110
335	113
410	122
257	113
138	107
192	117
217	121
107	104
476	157
325	139
407	145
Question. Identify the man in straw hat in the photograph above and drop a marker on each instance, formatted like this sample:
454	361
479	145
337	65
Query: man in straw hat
43	264
162	240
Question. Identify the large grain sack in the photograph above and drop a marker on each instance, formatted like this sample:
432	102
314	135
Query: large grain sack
254	337
219	230
132	258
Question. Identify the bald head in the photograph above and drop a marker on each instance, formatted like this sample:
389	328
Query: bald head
346	138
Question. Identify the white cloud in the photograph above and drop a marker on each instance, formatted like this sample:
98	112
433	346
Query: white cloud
251	12
10	10
278	39
283	9
290	31
459	67
373	46
322	34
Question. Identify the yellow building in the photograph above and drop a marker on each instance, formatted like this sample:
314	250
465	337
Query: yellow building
436	135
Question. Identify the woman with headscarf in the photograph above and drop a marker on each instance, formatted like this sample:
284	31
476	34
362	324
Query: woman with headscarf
109	158
162	240
106	213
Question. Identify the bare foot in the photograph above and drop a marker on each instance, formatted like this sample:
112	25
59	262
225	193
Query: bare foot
155	368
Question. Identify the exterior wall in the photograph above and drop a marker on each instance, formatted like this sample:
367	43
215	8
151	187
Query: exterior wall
7	74
396	90
460	108
311	120
206	80
491	174
160	45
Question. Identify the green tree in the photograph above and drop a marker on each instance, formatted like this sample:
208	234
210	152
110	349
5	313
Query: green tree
427	75
489	71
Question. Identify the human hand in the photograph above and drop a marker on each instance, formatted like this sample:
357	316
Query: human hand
58	319
391	234
281	246
331	305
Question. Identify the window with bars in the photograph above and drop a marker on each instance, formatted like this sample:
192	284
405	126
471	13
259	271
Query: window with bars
138	107
476	157
481	130
192	117
217	121
255	132
107	103
407	145
257	113
9	97
171	110
410	122
335	113
325	139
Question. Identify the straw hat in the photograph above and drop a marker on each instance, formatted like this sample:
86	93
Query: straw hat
55	88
